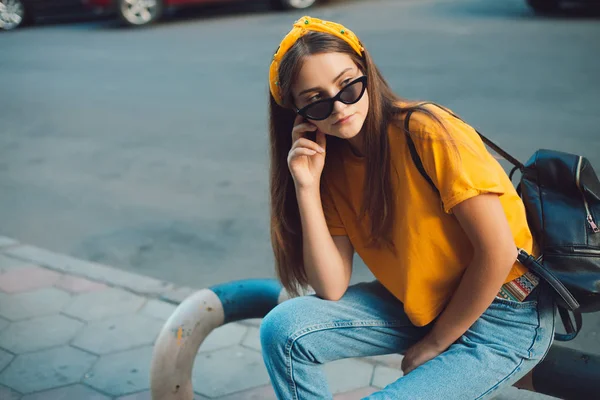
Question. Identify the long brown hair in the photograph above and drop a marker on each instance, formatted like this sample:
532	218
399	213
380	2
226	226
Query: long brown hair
378	200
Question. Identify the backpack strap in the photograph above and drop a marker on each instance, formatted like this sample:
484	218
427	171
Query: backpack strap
530	262
566	320
414	155
518	165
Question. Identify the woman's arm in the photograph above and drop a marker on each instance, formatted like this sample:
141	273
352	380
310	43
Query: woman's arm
483	220
327	259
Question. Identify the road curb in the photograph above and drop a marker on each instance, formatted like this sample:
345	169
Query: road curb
135	283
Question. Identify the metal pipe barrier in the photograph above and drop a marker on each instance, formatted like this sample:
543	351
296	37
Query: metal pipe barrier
194	319
568	374
564	373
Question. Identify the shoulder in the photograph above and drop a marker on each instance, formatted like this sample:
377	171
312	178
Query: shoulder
426	114
430	120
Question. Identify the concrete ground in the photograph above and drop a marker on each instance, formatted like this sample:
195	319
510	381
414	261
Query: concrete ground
75	330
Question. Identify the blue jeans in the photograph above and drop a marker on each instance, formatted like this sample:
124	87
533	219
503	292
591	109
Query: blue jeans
301	334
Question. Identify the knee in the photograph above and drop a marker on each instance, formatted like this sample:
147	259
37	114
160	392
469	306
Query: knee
279	326
274	330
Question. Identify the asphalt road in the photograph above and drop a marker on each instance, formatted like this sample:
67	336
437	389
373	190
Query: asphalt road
146	149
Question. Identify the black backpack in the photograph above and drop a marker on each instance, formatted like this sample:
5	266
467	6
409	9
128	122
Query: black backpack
561	193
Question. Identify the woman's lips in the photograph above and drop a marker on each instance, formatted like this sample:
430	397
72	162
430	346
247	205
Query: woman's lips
344	120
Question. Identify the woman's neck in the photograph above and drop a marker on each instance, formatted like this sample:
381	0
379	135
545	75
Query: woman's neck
357	145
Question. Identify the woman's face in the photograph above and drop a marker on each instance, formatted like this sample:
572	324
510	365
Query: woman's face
322	76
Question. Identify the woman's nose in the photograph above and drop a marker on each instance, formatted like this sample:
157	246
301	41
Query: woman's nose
338	107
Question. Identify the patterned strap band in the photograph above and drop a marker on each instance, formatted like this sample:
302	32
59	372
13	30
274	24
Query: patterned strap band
518	289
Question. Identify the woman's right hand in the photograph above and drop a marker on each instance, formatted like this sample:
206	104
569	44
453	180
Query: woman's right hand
306	158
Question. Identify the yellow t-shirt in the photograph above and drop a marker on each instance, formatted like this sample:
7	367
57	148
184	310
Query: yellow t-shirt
432	250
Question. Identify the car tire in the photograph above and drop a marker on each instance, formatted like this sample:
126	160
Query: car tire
139	12
292	4
544	6
13	14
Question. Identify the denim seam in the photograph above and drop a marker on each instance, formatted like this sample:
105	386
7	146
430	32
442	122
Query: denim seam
552	331
529	351
516	305
321	327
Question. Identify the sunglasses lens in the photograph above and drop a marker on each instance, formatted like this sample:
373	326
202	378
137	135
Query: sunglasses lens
319	111
349	95
352	93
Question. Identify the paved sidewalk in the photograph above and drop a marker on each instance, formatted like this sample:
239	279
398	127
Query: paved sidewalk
72	329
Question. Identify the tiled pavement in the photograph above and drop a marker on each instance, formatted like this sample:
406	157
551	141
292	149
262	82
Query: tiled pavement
71	329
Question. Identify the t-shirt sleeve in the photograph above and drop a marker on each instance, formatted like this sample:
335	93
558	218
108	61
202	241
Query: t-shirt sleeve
332	217
455	158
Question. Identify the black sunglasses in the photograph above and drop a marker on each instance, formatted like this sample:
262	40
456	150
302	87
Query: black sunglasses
322	109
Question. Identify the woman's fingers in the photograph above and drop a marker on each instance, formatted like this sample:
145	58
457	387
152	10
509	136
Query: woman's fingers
301	129
309	144
322	140
301	151
299	119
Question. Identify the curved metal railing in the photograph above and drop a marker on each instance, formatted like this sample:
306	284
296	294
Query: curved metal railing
564	373
194	319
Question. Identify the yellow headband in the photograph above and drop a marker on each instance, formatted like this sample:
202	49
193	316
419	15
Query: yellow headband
301	27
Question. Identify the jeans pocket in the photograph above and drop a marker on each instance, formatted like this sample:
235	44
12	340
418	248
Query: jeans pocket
510	327
513	313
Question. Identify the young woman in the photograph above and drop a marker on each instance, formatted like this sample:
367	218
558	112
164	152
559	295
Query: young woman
449	293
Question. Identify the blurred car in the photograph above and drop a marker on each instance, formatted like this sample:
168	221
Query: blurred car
142	12
552	6
14	13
